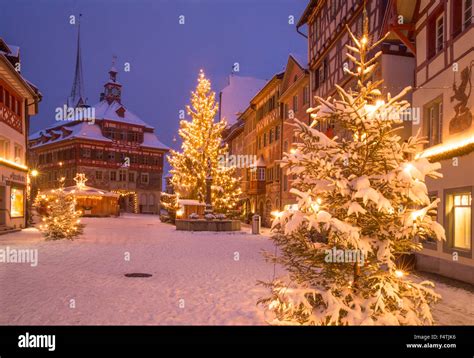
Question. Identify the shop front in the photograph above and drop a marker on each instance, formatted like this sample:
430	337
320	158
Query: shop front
13	186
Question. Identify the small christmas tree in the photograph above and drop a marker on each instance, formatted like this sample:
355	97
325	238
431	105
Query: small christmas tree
200	150
62	220
362	204
169	202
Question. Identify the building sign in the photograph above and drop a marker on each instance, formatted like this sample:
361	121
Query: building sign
14	177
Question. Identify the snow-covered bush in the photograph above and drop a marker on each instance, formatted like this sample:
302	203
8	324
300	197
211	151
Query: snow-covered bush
210	216
194	216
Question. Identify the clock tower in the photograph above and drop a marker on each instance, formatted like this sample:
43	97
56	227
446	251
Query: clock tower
113	89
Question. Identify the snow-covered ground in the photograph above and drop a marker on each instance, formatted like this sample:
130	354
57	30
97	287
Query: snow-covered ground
198	278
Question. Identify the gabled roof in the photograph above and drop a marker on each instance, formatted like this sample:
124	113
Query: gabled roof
288	83
9	55
307	13
273	81
301	60
236	96
106	111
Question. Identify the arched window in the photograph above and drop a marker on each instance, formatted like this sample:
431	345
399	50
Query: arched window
143	199
151	199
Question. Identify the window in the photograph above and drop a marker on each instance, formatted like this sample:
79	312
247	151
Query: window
131	177
122	175
277	132
111	156
17	206
458	211
145	178
4	148
113	176
439	33
261	174
270	140
86	152
18	155
467	12
295	103
432	125
305	95
98	175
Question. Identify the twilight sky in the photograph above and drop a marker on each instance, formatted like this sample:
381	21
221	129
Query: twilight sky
165	56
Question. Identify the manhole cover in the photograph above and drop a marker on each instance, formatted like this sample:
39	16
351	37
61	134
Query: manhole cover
138	274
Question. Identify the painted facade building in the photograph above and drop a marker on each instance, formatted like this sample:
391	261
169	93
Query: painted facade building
116	150
444	77
266	173
18	101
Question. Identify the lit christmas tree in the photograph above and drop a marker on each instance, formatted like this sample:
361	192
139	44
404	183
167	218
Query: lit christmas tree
200	151
362	204
62	220
169	202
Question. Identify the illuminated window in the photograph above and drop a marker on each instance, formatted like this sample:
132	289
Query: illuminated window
4	148
459	219
17	201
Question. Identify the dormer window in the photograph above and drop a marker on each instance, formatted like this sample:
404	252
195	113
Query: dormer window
120	112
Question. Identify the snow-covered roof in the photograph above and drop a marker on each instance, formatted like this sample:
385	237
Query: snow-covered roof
14	50
82	130
182	202
104	110
80	126
85	191
236	96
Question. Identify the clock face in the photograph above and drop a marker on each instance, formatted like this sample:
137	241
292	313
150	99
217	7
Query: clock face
115	91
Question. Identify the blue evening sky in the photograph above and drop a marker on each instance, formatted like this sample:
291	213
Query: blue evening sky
165	56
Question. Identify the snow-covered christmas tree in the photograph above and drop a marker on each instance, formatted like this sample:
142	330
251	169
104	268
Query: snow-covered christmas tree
362	204
62	220
200	152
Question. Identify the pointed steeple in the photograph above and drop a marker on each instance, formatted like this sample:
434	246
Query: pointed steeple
77	99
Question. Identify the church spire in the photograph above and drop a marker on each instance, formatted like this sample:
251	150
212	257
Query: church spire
77	99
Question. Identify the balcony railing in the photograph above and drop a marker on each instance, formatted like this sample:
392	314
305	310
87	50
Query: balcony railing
10	118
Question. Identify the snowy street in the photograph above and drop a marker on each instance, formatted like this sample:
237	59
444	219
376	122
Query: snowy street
197	278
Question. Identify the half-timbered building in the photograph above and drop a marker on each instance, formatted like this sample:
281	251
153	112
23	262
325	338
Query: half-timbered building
443	93
326	22
18	101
